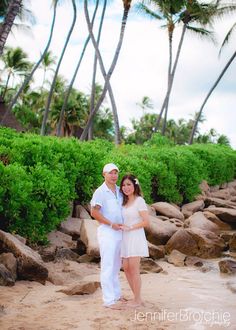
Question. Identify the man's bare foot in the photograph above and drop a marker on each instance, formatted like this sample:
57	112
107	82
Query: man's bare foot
117	306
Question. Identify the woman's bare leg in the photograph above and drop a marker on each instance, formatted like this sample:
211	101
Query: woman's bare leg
134	271
126	268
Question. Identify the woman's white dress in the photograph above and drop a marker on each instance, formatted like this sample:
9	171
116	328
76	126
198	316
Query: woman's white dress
134	243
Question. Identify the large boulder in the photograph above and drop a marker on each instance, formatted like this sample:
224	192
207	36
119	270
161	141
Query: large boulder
227	266
190	208
159	232
71	227
218	202
84	287
156	252
224	213
176	258
88	235
196	242
198	220
168	210
81	212
10	262
232	243
6	278
29	262
60	240
213	218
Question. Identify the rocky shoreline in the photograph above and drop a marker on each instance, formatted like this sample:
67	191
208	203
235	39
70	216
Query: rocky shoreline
187	235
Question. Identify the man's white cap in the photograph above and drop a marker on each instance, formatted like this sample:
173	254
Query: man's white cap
110	167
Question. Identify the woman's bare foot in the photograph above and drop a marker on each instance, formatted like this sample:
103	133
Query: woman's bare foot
135	304
123	300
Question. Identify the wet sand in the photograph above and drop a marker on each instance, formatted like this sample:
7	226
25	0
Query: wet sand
178	298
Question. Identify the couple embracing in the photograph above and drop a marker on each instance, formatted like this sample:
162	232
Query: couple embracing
122	214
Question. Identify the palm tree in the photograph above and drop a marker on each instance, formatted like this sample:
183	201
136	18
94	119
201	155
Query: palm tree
126	4
47	108
193	12
163	10
29	77
111	95
69	89
219	77
12	10
46	64
15	62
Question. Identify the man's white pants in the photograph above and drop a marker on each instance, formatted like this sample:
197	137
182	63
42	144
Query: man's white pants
110	245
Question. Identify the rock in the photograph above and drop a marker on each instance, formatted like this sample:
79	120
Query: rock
20	238
156	252
225	214
81	212
148	265
232	184
193	261
30	264
232	243
196	242
178	223
213	218
204	187
158	232
47	252
190	208
71	227
60	240
88	235
10	262
176	258
227	266
80	248
198	220
6	278
168	210
222	194
67	272
219	202
86	259
67	254
84	287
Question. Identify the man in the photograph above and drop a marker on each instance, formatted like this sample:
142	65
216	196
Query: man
106	206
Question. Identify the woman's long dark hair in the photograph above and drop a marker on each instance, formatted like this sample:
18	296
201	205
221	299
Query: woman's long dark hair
137	189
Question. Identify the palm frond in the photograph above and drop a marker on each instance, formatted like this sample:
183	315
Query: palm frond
227	37
143	9
203	33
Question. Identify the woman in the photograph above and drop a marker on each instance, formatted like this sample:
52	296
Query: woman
134	243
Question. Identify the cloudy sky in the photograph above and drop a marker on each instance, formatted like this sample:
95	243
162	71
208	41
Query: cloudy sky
142	66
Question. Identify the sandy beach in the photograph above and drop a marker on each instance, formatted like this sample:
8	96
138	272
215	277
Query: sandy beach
177	298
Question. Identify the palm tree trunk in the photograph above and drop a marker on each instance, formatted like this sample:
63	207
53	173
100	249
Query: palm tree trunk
93	90
29	77
13	9
169	81
208	95
111	95
6	86
47	109
59	126
167	97
113	64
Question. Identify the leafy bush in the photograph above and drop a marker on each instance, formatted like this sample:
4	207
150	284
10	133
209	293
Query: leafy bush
41	176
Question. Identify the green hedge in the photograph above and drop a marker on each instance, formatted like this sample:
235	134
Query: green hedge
41	176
